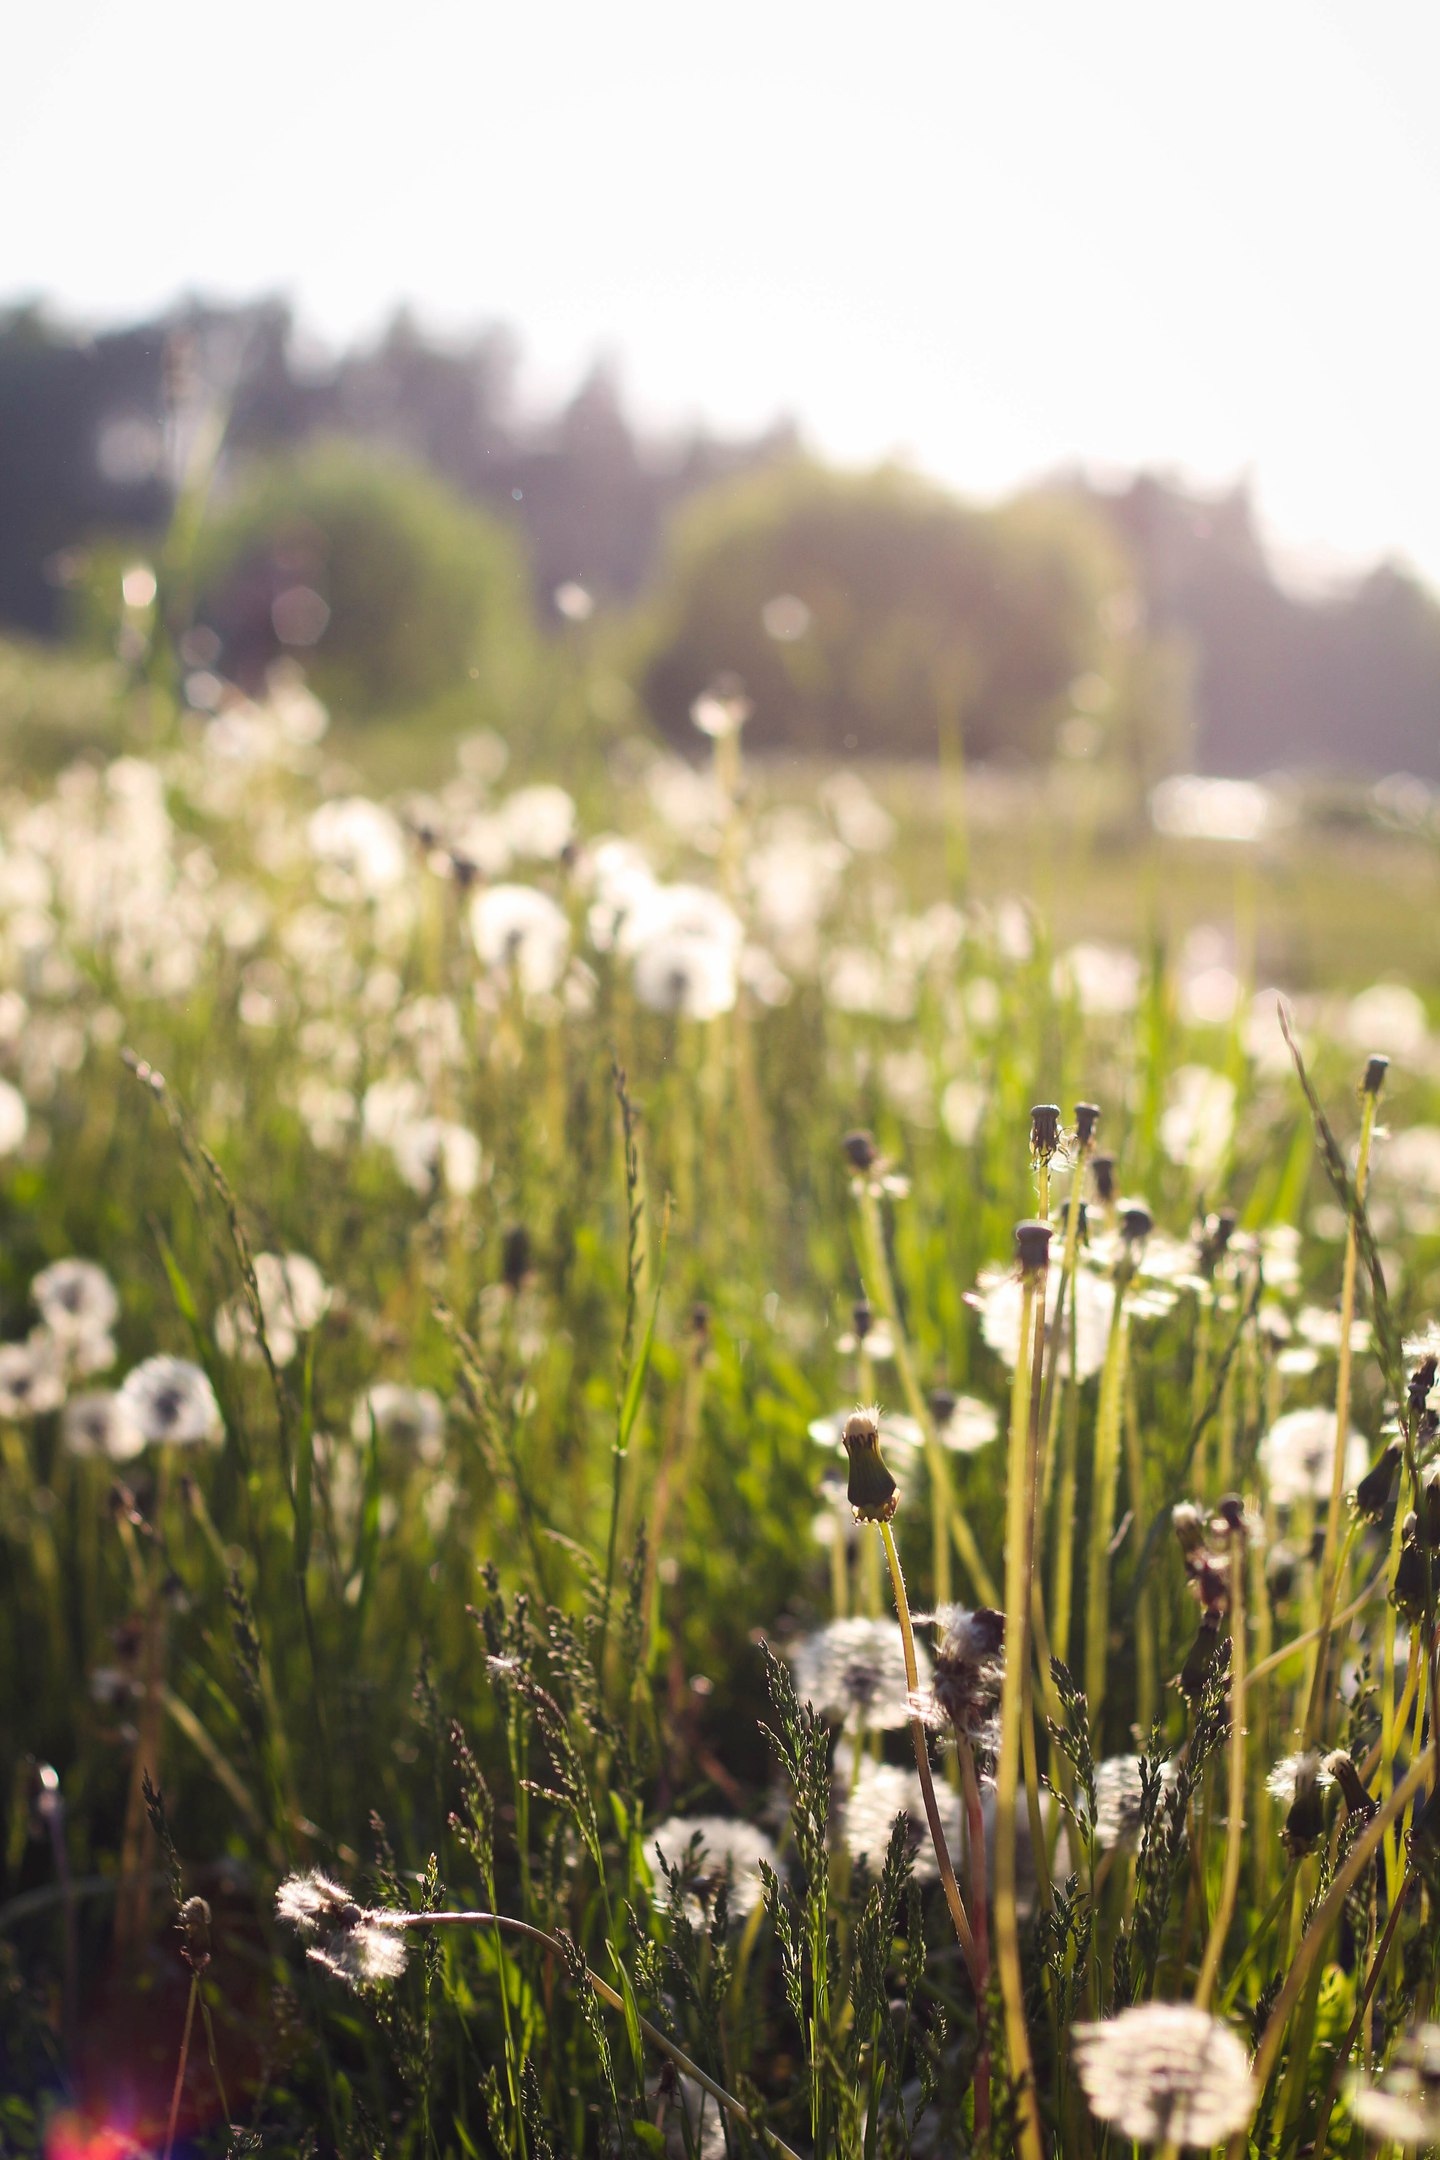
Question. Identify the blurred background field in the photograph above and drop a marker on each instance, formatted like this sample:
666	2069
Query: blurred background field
538	896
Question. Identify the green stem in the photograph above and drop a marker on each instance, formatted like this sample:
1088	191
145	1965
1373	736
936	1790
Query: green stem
1235	1825
1102	1509
1017	1615
953	1898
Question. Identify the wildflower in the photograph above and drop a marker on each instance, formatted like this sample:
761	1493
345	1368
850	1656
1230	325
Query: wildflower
412	1417
1120	1799
855	1669
873	1492
538	821
1166	2073
1403	2108
520	933
100	1424
76	1299
1297	1456
872	1795
897	1431
358	1946
963	1423
969	1671
30	1378
1297	1781
706	1850
294	1299
998	1298
360	844
686	974
172	1403
722	710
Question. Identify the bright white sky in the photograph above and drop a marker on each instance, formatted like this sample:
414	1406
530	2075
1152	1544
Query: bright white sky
990	237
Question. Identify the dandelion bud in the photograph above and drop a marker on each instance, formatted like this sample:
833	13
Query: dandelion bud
1427	1529
700	1322
1374	1078
1358	1802
1044	1131
1189	1527
517	1261
1300	1779
862	1318
1102	1169
1032	1240
1407	1592
194	1925
870	1489
1136	1222
1372	1494
1087	1117
943	1401
1203	1652
860	1150
1422	1382
1231	1512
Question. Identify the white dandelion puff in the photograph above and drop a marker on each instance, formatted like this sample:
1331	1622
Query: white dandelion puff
1166	2073
711	1849
172	1404
855	1669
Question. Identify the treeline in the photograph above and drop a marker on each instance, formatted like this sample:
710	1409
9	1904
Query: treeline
866	615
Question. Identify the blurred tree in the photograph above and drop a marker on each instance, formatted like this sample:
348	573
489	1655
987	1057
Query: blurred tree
872	613
394	593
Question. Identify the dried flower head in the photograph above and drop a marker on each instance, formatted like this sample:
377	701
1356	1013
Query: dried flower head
1297	1456
706	1850
1297	1782
969	1671
359	1946
855	1669
1166	2073
1403	2108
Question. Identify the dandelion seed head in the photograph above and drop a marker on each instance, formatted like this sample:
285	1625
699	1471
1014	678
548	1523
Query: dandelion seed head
854	1669
1403	2107
171	1402
1166	2072
969	1670
1297	1456
723	1850
1119	1800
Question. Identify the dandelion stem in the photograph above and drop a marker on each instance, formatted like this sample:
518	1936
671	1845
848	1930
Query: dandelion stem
1017	1614
922	1764
1332	1566
1235	1823
683	2062
979	1907
180	2067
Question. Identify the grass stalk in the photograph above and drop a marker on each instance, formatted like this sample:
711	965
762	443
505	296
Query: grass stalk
1235	1822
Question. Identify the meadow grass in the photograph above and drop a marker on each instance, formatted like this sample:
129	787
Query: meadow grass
531	1196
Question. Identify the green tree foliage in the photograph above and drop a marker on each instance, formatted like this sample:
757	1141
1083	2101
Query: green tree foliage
421	601
918	615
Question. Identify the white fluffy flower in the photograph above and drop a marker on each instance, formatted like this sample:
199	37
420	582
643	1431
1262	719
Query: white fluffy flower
855	1669
30	1377
1297	1457
520	932
999	1296
1166	2073
723	1850
1404	2107
680	972
75	1299
412	1417
100	1424
171	1402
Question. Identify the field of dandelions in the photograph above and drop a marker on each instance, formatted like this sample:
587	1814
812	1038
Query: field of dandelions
665	1496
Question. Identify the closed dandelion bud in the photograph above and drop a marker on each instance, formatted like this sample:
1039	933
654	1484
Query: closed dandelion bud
1407	1593
860	1150
862	1318
1300	1779
1136	1223
1203	1651
194	1924
1102	1169
1032	1242
516	1259
1231	1512
1087	1117
1044	1131
942	1404
1189	1527
870	1489
1374	1078
1372	1494
1422	1382
1358	1802
1428	1528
